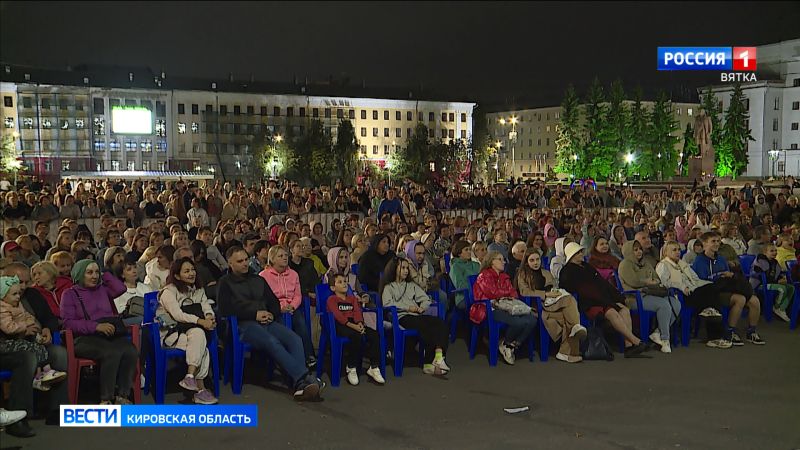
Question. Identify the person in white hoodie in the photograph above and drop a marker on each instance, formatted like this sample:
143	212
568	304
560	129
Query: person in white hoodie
157	269
700	294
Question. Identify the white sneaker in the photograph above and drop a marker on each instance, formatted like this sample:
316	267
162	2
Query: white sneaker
568	358
655	336
710	312
578	329
665	348
352	376
507	353
441	365
53	376
10	417
781	314
375	374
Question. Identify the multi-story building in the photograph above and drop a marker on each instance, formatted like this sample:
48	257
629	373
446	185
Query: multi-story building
534	151
135	120
773	105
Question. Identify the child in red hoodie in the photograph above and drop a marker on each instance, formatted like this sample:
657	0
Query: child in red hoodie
346	311
63	262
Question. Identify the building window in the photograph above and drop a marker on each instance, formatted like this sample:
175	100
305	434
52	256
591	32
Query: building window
161	109
47	124
774	124
130	145
451	133
451	117
420	116
146	146
131	166
374	149
223	110
444	133
398	132
302	112
162	166
276	111
195	128
430	116
327	113
796	82
182	147
263	111
431	133
539	142
181	128
374	132
99	145
794	146
98	104
340	113
774	144
161	128
777	103
398	115
363	131
209	109
385	149
464	136
161	146
290	111
65	166
27	122
351	114
363	114
145	165
99	126
250	110
794	126
795	106
409	116
444	117
237	110
80	124
374	115
408	132
678	111
195	148
548	141
386	115
463	117
385	132
8	101
181	108
195	108
8	122
115	165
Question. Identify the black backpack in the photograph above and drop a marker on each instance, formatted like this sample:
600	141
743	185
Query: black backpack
595	346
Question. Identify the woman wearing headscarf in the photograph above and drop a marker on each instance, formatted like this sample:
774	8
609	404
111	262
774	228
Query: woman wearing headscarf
557	262
550	235
339	264
617	240
84	309
601	258
373	261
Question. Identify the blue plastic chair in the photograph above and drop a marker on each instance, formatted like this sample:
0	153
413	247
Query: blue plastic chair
354	269
544	336
494	327
747	263
794	314
789	266
160	355
447	262
768	298
306	305
328	337
5	375
235	351
400	334
456	314
645	317
546	262
688	317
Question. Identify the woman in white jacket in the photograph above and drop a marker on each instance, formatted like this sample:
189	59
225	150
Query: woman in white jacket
181	291
699	294
157	269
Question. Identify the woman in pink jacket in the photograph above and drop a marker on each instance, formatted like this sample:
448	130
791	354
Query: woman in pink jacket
82	308
285	284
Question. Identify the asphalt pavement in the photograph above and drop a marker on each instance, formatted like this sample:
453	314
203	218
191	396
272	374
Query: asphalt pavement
694	398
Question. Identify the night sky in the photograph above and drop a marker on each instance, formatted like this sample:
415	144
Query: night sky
520	54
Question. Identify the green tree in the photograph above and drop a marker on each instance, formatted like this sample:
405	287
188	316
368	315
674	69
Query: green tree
478	147
689	150
637	138
569	146
600	156
661	139
732	154
313	149
9	164
271	154
619	124
345	152
413	160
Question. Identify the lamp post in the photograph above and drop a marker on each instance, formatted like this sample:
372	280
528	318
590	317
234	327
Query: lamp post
574	164
773	155
278	139
512	137
628	161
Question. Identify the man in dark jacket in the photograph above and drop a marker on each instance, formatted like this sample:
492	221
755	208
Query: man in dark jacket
250	299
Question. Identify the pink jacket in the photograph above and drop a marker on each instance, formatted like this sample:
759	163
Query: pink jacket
285	286
15	320
98	301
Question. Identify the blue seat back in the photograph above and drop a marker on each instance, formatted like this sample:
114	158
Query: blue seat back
747	263
447	262
546	262
150	306
354	269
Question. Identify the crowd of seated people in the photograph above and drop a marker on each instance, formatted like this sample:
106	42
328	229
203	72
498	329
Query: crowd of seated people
218	251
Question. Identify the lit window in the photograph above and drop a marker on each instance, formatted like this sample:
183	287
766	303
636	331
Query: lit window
130	146
65	124
47	124
27	122
195	128
131	166
8	122
146	146
162	166
374	149
197	166
688	111
99	126
161	146
79	124
181	128
115	165
145	165
161	128
48	165
114	144
98	167
99	145
64	166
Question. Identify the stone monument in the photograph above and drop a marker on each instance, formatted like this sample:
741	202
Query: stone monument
702	164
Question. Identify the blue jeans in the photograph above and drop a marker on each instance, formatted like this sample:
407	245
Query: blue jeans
280	343
664	315
301	328
519	327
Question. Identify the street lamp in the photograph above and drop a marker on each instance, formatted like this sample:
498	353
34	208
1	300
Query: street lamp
628	161
773	155
275	168
512	136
